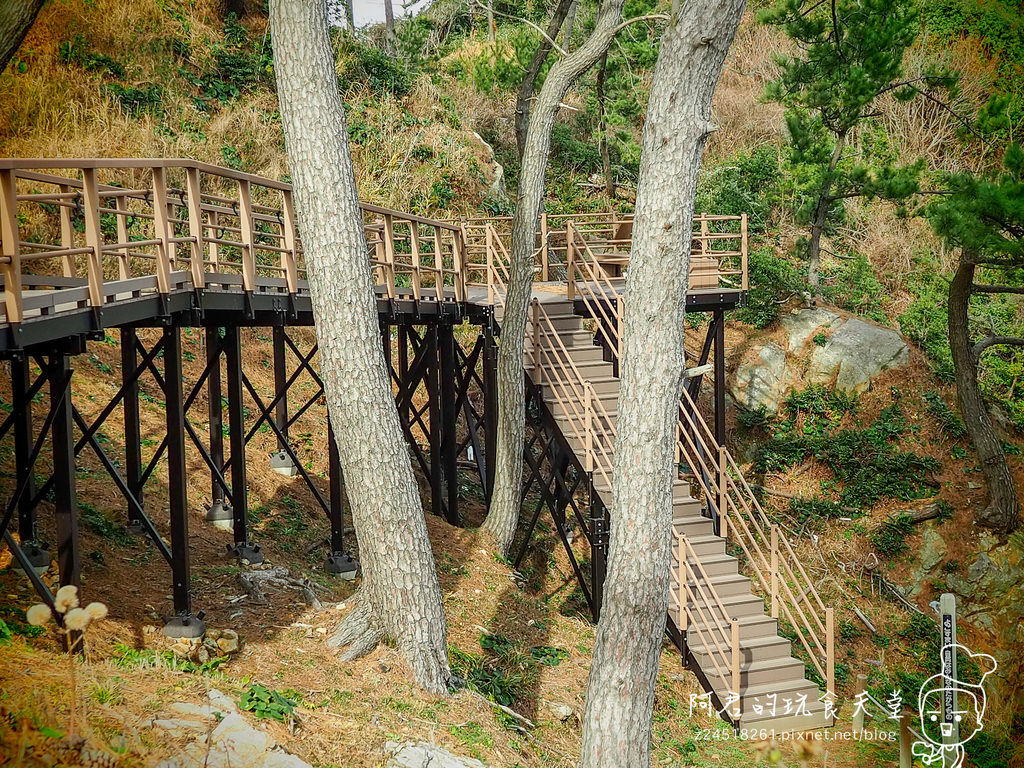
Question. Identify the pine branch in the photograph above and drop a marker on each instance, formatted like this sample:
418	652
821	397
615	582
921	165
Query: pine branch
997	288
527	22
991	341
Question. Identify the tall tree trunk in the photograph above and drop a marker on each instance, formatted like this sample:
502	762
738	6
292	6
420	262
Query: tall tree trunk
389	26
522	119
350	15
620	693
16	18
503	516
606	160
400	598
1002	513
820	219
570	22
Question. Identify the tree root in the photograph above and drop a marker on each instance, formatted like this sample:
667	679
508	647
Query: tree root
357	633
277	577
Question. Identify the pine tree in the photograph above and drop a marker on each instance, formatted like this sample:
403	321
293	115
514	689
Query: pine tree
984	218
851	54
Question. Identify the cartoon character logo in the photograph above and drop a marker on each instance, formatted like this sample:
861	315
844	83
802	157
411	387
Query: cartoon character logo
968	715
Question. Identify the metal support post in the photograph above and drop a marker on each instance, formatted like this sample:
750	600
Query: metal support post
719	373
132	428
490	404
219	514
448	378
184	624
65	500
339	561
28	532
280	461
243	549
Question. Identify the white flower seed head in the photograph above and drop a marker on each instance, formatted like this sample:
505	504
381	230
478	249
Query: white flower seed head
77	619
67	598
96	611
38	615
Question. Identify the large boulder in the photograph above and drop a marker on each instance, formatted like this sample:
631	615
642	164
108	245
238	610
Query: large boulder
760	380
420	754
846	354
854	354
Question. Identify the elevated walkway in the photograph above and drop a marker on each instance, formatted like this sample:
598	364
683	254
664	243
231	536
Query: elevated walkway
92	246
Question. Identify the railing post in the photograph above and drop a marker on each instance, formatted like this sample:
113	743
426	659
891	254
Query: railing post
830	650
489	246
215	247
683	599
906	742
858	716
93	236
288	260
723	492
414	244
736	681
775	571
195	227
124	267
588	408
248	240
570	260
389	254
743	251
11	245
67	235
160	223
544	247
535	320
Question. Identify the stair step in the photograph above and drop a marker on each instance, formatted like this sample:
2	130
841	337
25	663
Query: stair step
769	671
751	651
604	388
740	606
715	565
704	545
790	723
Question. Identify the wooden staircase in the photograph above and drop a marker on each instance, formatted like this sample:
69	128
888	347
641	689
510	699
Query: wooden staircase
577	384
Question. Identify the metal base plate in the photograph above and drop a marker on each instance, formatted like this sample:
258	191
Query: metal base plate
220	515
342	564
246	550
281	463
37	556
185	626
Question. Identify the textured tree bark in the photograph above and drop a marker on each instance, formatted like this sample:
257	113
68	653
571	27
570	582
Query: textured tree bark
503	516
389	26
522	119
602	129
620	693
570	23
1002	514
825	200
400	598
16	18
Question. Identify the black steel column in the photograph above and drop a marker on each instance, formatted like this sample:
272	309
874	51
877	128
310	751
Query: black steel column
219	512
448	380
22	412
281	462
242	548
65	500
339	561
490	404
434	430
184	624
719	317
598	548
403	375
132	430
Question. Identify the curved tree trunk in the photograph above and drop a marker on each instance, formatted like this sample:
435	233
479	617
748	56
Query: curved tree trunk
503	516
522	118
1002	513
620	693
389	26
400	598
825	200
16	18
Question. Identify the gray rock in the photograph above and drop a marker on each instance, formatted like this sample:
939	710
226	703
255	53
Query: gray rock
933	548
760	382
855	354
980	567
419	754
220	702
280	759
801	324
562	711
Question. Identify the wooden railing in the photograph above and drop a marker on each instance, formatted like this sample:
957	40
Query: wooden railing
767	551
84	233
719	247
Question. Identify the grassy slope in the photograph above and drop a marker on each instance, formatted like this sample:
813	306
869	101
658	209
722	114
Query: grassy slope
415	152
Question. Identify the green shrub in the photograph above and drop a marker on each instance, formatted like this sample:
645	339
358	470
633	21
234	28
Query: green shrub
945	416
851	284
890	538
267	704
77	51
747	183
136	101
772	282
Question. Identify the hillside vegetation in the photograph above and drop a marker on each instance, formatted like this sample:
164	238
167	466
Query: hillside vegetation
431	131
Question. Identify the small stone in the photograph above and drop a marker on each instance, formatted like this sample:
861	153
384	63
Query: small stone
228	642
219	703
213	634
202	655
185	708
562	711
